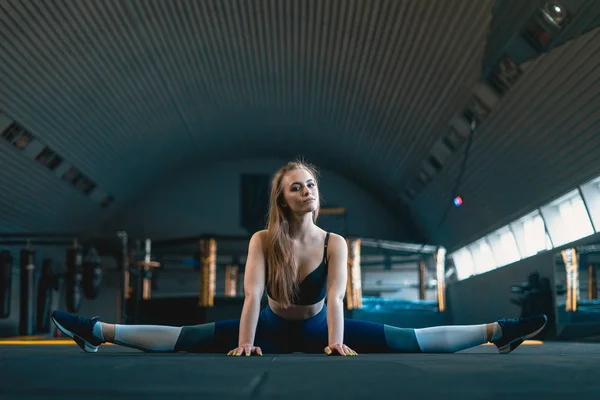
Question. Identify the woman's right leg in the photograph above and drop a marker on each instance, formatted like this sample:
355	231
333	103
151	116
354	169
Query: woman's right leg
89	334
213	337
149	338
223	336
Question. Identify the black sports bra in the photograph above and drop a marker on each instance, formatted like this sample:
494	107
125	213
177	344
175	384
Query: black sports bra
313	288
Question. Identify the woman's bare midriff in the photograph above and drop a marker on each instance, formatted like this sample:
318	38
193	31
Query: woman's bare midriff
296	312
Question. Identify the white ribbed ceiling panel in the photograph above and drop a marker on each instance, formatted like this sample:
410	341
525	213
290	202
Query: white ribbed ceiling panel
132	91
540	142
32	199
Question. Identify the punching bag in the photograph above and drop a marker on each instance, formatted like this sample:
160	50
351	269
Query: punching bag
92	274
73	279
6	265
44	297
26	297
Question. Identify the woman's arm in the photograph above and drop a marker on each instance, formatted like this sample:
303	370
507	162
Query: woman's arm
254	287
336	288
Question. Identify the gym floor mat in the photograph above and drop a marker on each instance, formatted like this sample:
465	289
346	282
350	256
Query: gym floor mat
550	370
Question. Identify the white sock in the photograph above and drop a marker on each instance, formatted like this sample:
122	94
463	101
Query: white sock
450	339
154	338
97	331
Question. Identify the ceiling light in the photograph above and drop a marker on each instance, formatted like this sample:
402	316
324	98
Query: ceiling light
555	13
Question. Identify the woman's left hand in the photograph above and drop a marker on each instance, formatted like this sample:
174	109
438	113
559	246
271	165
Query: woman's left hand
341	349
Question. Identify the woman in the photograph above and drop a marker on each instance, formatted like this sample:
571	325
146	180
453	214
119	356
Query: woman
299	265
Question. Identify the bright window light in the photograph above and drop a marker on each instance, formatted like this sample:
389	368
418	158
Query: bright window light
504	246
567	219
483	258
463	261
530	234
591	194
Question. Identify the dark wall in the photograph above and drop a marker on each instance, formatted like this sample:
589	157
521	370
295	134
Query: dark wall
485	298
208	200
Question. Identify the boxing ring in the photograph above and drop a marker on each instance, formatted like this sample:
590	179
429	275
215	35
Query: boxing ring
219	262
212	266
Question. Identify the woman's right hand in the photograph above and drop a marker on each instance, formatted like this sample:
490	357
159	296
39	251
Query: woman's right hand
247	349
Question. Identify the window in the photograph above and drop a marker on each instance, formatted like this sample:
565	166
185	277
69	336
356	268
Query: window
530	235
54	162
23	141
463	261
454	140
504	75
71	175
12	132
482	256
48	158
84	184
567	219
591	195
504	246
18	136
44	156
476	111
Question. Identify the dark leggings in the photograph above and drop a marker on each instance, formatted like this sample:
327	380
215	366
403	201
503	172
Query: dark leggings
276	335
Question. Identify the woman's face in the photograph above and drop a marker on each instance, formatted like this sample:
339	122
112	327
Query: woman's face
300	191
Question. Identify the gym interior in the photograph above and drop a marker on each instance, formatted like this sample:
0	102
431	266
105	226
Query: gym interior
458	145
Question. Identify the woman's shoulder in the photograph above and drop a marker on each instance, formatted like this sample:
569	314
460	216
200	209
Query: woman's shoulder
336	241
260	234
335	237
258	240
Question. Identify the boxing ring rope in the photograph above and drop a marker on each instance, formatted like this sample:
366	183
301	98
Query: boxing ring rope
209	243
136	262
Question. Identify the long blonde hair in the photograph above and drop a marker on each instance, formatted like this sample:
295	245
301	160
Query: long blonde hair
282	272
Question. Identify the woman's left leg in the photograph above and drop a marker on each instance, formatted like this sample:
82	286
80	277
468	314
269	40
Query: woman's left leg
360	336
372	337
506	334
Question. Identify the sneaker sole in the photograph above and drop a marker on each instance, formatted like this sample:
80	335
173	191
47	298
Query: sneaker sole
81	342
507	348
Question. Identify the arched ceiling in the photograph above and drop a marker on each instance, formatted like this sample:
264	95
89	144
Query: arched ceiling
129	92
